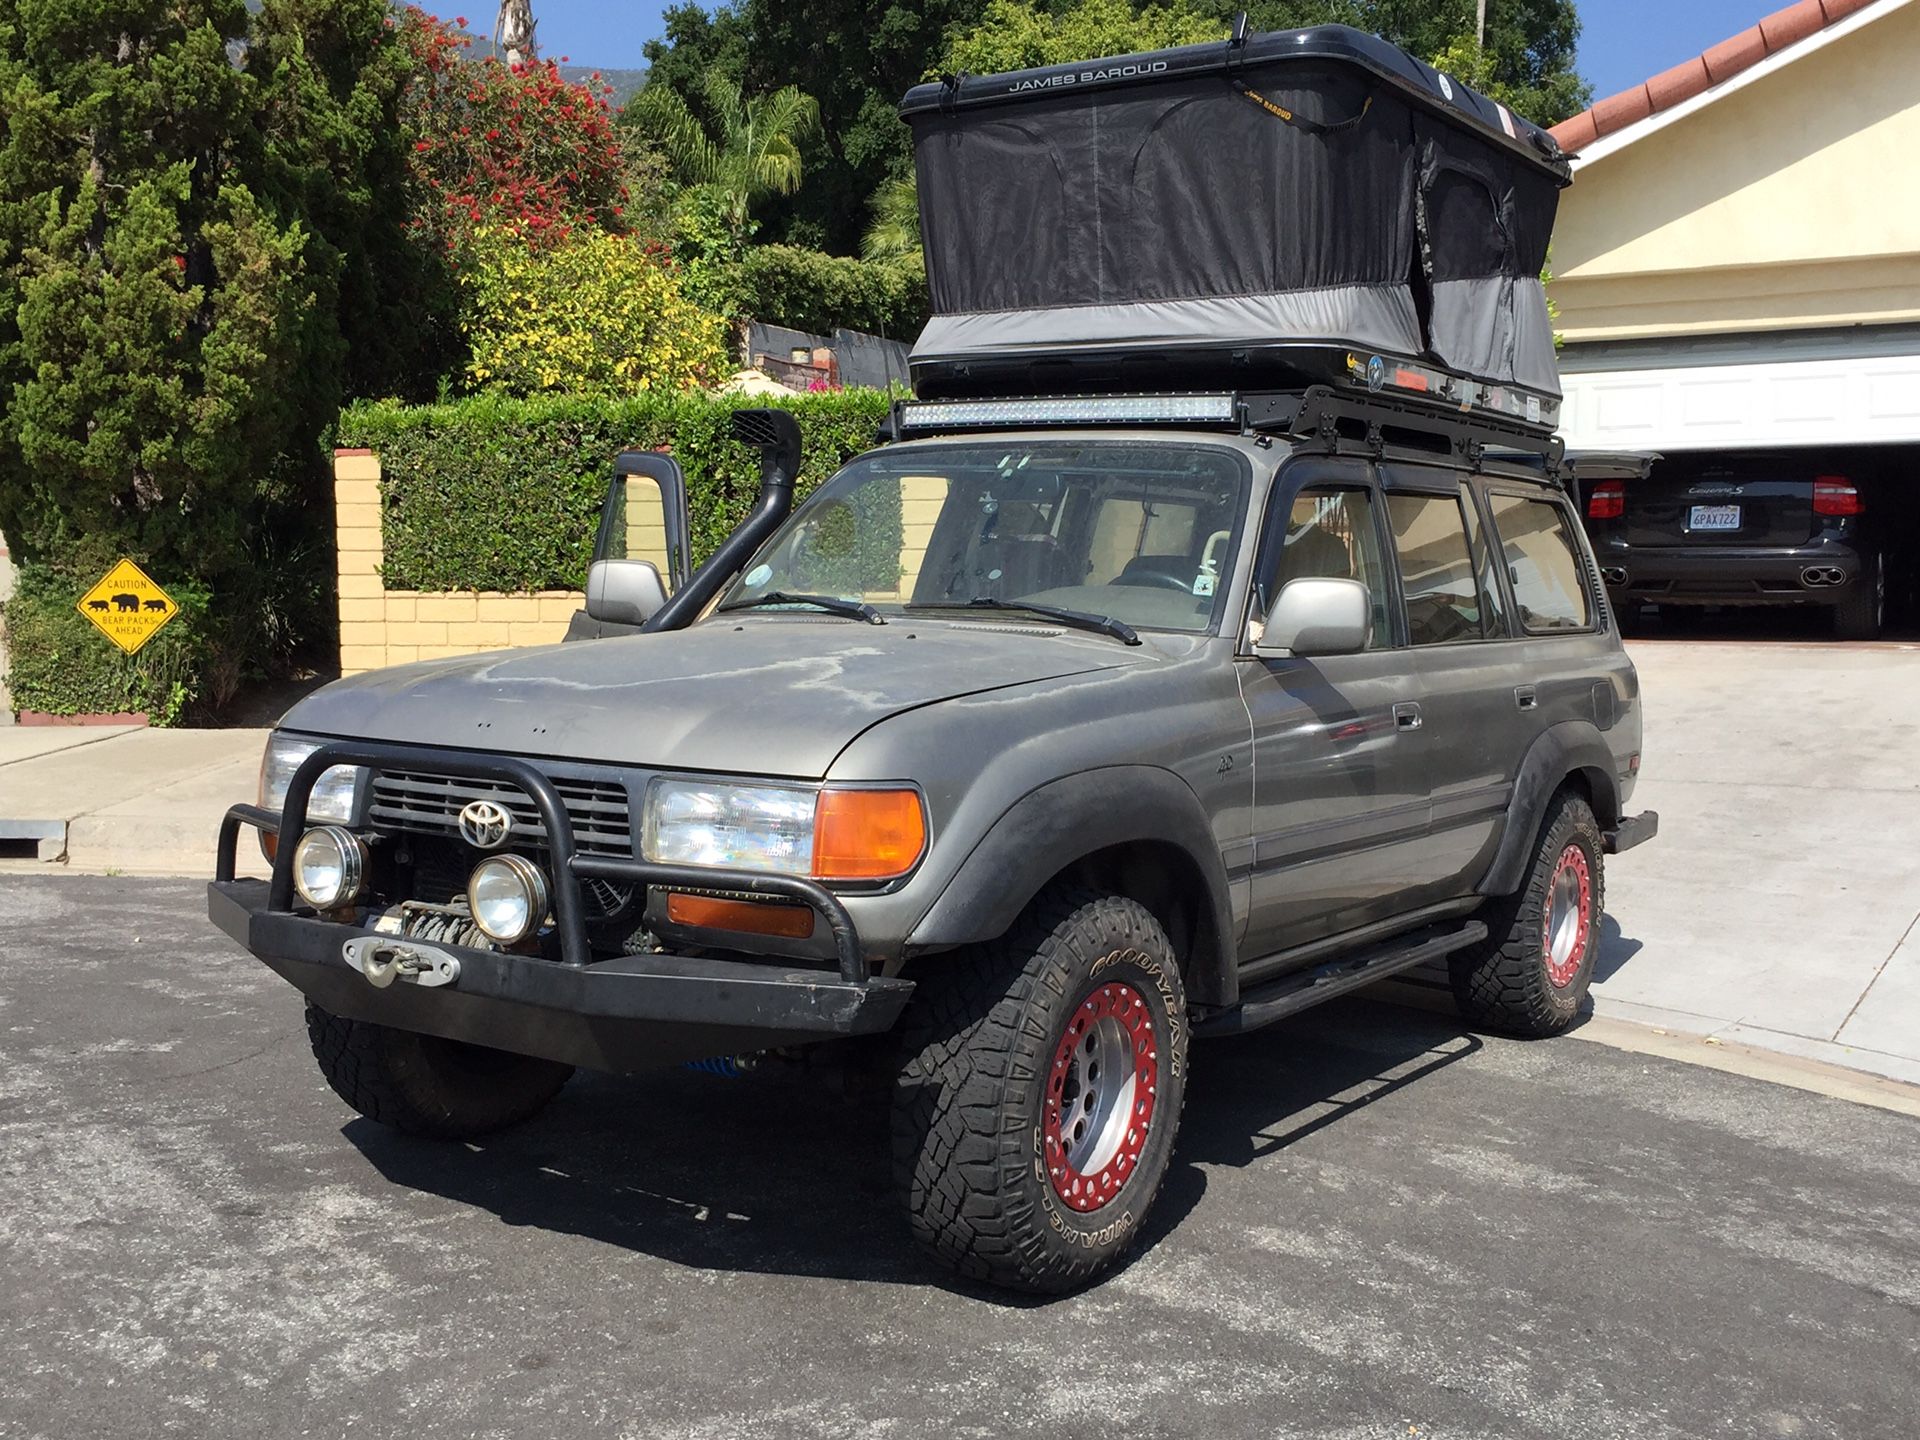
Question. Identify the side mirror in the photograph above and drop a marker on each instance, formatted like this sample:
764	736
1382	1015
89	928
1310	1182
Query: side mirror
1318	617
624	592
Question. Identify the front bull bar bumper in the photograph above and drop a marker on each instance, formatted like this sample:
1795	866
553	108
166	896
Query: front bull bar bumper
623	1013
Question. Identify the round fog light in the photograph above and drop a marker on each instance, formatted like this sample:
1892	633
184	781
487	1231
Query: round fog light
329	867
508	896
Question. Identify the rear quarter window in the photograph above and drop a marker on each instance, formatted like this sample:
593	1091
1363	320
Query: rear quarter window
1542	564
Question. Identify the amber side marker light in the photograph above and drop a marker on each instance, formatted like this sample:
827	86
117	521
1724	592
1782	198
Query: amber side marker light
867	834
747	917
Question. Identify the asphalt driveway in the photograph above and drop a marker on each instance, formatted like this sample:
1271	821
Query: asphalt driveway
1377	1226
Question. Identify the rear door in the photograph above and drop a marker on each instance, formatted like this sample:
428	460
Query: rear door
1719	502
1475	702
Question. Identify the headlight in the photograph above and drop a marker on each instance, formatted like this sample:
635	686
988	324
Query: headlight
329	867
865	834
332	797
508	897
744	827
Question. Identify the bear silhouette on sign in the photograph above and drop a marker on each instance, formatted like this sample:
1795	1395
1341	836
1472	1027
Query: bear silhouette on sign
156	605
96	605
126	602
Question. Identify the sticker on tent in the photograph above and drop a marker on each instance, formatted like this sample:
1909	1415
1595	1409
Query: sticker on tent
127	606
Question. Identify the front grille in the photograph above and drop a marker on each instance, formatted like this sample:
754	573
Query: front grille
411	800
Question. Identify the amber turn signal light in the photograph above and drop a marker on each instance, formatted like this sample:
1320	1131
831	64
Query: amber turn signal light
751	917
868	834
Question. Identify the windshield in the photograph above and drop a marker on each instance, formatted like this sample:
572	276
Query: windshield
1141	532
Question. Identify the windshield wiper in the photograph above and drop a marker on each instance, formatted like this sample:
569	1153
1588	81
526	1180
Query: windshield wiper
833	604
1079	619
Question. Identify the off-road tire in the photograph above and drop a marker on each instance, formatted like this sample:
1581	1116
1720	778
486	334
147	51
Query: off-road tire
1862	609
981	1044
1508	981
427	1086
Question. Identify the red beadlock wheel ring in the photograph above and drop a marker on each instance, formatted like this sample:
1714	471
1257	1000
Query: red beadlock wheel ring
1569	917
1100	1093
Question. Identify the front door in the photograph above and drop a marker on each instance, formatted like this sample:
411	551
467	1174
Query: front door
1341	809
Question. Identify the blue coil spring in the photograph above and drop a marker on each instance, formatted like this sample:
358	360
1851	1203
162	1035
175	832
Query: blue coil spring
728	1066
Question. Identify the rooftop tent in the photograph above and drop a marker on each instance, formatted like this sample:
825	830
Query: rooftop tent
1249	203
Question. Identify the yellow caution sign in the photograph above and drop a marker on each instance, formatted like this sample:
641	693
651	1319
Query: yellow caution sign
128	607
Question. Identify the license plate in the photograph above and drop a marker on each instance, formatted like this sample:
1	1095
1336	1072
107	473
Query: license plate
1715	517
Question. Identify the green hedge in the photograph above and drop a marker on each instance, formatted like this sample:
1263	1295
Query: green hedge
60	663
492	493
807	290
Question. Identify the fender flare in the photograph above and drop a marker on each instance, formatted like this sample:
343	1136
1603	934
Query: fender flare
1064	821
1573	747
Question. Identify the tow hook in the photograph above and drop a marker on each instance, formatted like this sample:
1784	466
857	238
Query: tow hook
383	961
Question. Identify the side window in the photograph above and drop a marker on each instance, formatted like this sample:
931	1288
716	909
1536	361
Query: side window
1542	563
1436	569
1331	535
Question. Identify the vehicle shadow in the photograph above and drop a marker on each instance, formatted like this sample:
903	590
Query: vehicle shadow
1616	949
787	1170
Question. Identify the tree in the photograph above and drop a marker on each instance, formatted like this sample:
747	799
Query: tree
893	234
595	315
1528	61
1020	34
752	149
507	147
195	221
856	58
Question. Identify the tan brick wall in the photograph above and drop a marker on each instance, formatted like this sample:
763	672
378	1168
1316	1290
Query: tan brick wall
392	627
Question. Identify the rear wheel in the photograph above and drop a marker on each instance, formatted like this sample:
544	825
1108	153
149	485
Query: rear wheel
1863	604
1531	973
1035	1114
425	1085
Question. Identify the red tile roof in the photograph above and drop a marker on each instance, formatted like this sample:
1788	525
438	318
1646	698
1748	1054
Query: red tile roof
1720	64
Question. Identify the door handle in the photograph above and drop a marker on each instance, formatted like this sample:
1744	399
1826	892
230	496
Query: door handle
1406	716
1524	697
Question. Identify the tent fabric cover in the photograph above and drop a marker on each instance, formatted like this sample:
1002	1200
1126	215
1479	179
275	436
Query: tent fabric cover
1150	202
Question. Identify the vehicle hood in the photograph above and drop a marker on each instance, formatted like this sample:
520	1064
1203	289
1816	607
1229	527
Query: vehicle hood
760	696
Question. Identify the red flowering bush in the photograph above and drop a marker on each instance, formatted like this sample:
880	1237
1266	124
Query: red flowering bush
513	149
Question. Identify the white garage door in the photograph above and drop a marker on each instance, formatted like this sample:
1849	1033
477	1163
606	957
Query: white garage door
1831	388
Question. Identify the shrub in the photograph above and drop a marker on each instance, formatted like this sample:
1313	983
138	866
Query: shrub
807	290
596	315
515	148
492	493
63	665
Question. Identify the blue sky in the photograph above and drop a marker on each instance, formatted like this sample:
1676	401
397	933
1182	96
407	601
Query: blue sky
1625	41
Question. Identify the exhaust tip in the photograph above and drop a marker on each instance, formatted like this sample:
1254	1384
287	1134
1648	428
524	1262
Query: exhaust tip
1613	575
1822	577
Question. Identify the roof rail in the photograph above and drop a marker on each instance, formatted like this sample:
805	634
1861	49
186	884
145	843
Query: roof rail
1375	424
1319	416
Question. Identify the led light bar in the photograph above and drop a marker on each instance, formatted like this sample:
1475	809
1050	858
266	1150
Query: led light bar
1070	410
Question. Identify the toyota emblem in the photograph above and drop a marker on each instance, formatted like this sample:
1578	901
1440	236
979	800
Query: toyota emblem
485	825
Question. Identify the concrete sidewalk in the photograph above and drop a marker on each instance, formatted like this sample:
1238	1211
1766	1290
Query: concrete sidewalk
1780	905
123	799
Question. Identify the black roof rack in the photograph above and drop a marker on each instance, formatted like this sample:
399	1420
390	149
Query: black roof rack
1318	416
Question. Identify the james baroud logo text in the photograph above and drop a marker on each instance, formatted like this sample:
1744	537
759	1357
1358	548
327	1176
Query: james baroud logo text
1088	77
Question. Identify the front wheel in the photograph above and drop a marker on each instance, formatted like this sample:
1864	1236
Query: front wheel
424	1085
1035	1114
1530	974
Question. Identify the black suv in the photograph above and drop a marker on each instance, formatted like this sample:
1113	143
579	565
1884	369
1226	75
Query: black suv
1760	529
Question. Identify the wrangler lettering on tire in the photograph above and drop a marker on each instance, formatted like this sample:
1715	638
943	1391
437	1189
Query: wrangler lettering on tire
1040	1093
